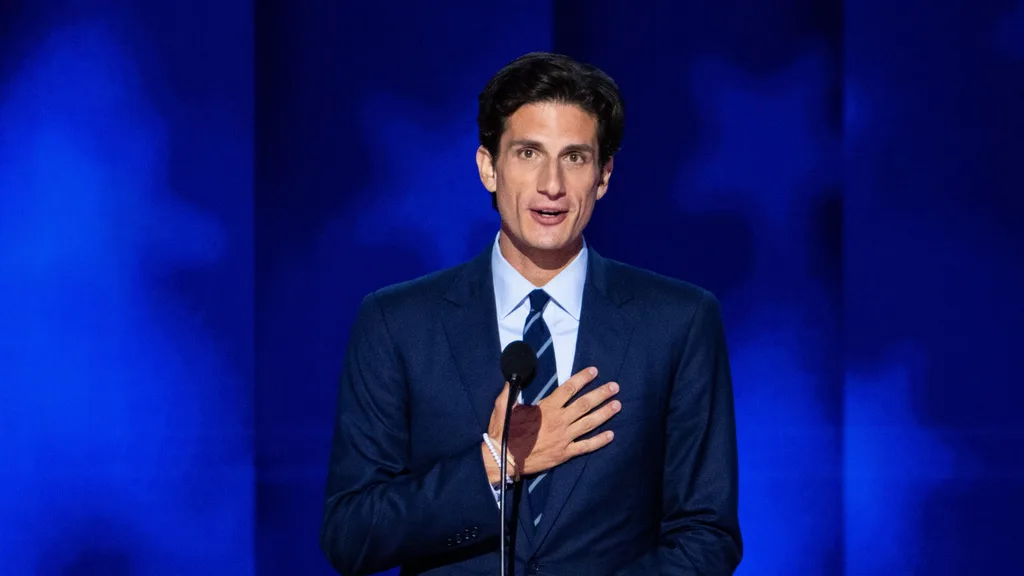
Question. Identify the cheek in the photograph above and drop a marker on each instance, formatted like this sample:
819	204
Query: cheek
586	195
510	189
508	199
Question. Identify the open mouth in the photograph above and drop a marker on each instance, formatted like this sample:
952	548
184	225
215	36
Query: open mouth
549	217
550	213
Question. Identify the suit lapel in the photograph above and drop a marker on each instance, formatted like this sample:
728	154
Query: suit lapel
602	340
471	326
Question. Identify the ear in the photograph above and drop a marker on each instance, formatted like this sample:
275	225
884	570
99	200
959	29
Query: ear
605	176
485	165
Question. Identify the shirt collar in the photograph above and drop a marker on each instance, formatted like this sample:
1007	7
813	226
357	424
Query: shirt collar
511	289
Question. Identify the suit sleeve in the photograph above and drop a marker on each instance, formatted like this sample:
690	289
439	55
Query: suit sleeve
378	513
700	533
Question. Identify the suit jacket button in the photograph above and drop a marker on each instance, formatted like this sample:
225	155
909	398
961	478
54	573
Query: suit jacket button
532	567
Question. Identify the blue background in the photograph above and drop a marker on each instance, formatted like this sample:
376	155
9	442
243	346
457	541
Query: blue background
195	196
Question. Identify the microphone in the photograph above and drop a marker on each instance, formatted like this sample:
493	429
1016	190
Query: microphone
518	364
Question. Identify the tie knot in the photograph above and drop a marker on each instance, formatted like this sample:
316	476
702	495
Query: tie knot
538	298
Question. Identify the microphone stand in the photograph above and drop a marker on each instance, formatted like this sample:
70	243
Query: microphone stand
513	397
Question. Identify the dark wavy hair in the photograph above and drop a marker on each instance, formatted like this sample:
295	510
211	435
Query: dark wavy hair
547	77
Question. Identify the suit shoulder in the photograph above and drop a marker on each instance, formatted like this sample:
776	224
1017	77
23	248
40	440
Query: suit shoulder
417	292
654	288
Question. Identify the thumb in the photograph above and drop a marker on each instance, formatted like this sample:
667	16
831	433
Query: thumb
498	416
502	401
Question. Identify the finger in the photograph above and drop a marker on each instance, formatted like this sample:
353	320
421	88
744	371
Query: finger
594	419
580	447
494	428
570	387
502	399
584	404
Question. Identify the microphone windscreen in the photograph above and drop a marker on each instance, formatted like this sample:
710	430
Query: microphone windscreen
520	359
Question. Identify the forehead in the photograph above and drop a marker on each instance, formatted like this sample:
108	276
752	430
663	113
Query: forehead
551	122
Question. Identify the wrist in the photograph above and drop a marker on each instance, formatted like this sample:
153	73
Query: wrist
493	470
492	462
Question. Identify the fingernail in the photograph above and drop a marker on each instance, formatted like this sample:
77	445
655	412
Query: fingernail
616	406
610	434
592	370
614	387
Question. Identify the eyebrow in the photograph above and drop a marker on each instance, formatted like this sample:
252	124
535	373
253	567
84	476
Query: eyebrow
535	144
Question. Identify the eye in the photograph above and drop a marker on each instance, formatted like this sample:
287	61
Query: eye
526	153
576	158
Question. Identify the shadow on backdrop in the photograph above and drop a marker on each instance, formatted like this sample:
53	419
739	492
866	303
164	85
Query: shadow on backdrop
125	246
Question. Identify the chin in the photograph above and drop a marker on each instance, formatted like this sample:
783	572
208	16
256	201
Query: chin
549	244
551	239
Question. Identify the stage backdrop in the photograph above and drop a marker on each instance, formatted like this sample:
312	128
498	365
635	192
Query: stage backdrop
126	288
194	198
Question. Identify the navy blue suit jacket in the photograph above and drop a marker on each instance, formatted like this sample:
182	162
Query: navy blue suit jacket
407	484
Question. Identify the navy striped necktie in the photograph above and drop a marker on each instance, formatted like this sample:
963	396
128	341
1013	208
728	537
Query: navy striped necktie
536	334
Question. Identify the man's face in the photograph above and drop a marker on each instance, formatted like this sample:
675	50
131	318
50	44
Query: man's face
546	176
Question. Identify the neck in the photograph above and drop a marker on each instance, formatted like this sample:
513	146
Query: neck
537	266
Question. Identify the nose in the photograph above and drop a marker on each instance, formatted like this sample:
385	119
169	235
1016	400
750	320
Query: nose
551	180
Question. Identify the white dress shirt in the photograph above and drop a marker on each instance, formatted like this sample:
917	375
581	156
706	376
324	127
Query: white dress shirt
561	314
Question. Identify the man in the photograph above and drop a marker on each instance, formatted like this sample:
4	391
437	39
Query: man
623	444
